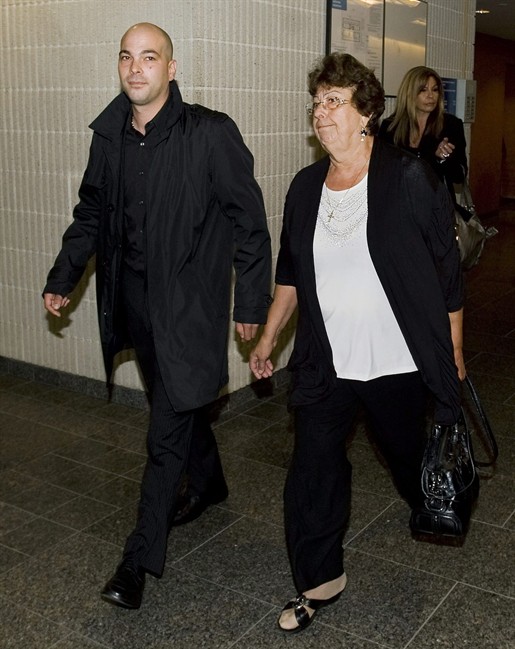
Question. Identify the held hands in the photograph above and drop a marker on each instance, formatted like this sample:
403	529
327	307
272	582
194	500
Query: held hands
444	150
53	303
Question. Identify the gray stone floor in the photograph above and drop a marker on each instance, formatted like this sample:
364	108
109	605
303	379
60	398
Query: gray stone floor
69	472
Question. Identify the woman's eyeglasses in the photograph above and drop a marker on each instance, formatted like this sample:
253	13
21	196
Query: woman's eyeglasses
329	102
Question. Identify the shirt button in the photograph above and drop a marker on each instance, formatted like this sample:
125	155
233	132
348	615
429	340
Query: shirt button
140	203
141	173
142	143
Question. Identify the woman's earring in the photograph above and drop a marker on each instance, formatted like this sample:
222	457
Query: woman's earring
363	133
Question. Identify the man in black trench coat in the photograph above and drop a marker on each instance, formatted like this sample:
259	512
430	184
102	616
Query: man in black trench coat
169	204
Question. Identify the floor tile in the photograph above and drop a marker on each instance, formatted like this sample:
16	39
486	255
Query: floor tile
497	500
273	446
42	498
268	411
22	629
10	558
384	601
255	489
76	477
13	482
179	611
80	512
84	450
369	472
129	438
120	491
14	404
9	381
64	581
76	641
248	556
485	621
35	536
117	412
486	559
494	388
116	527
365	508
501	417
266	635
498	364
185	539
47	467
81	424
232	431
505	463
118	461
34	390
26	440
12	517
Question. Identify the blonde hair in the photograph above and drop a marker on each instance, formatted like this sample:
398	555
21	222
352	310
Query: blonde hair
404	118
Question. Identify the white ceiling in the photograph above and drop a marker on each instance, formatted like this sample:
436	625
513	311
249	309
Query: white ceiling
500	21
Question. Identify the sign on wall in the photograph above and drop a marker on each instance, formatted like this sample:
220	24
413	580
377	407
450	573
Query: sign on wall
388	36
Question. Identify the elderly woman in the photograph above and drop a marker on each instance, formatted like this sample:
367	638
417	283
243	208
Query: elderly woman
420	125
369	257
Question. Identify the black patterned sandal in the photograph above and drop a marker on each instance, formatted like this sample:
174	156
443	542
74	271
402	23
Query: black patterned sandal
302	616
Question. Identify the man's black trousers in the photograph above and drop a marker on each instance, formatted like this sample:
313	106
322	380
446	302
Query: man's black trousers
177	442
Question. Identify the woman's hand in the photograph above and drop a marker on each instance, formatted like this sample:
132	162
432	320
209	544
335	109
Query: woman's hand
259	361
444	150
284	304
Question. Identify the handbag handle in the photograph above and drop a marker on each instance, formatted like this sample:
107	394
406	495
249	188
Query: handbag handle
486	424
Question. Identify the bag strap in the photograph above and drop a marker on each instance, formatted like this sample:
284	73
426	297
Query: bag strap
466	196
486	424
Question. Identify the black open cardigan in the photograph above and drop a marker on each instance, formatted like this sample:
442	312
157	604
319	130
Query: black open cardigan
412	243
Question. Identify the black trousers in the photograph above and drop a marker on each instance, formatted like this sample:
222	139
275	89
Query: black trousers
318	486
177	442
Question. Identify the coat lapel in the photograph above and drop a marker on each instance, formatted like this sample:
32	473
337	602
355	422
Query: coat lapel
313	192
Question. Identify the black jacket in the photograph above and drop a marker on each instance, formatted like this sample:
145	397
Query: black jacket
205	214
453	169
412	244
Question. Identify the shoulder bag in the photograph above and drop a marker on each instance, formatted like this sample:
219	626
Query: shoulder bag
450	482
470	232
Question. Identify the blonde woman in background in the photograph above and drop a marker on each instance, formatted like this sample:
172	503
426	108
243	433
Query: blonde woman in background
420	125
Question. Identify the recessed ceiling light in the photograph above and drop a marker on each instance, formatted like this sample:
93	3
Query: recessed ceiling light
482	11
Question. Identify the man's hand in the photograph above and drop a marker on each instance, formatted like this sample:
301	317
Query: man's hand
53	303
246	331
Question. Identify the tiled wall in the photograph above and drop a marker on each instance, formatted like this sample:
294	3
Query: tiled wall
246	57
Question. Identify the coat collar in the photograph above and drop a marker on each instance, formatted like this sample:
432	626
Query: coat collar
112	120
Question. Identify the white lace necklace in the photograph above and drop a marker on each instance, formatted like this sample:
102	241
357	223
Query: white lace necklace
341	222
335	208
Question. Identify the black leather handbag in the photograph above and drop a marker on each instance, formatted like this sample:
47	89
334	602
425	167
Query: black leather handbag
449	477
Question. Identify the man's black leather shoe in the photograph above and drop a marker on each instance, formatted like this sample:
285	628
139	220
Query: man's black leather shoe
125	588
191	507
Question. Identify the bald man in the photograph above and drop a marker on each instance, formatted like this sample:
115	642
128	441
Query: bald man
168	204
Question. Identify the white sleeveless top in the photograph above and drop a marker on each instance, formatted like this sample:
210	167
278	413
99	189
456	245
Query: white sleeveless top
365	338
